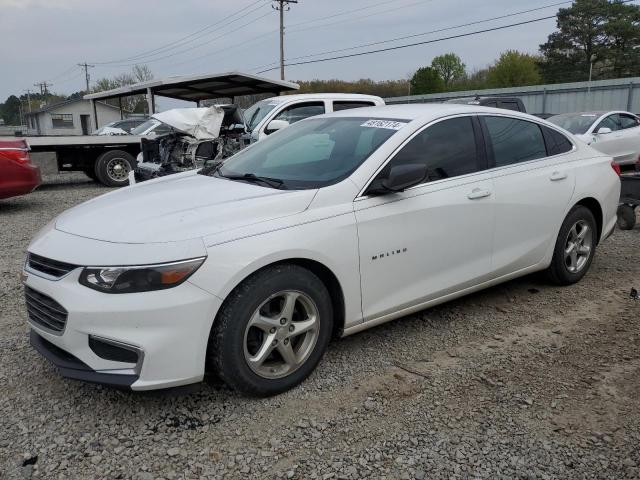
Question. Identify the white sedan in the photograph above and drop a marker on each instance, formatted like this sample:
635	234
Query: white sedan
336	224
614	133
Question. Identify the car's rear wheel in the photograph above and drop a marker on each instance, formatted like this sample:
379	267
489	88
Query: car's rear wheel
272	331
113	167
575	247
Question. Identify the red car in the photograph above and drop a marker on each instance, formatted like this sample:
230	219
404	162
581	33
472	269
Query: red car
18	175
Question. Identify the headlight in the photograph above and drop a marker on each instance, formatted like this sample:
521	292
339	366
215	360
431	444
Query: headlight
139	278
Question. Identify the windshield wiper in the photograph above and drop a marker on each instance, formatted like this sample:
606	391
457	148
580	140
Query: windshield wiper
251	177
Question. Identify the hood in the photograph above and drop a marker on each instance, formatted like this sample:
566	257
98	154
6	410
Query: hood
179	207
200	123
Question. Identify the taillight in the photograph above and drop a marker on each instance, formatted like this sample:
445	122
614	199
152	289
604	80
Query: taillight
616	168
15	150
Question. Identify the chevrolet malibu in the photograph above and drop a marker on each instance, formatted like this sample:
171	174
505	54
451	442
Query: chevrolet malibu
336	224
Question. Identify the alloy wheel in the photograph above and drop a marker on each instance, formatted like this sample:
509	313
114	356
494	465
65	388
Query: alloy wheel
578	246
281	334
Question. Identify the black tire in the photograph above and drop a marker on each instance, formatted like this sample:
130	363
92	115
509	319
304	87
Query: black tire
91	172
106	168
226	349
626	217
558	272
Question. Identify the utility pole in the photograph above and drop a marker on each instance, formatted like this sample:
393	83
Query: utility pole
86	67
281	6
28	92
43	87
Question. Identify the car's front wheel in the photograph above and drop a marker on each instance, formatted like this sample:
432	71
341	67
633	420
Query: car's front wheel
272	331
575	247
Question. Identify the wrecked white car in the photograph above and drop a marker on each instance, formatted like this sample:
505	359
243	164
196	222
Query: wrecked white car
199	136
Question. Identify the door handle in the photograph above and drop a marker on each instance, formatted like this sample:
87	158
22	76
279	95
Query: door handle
477	193
555	176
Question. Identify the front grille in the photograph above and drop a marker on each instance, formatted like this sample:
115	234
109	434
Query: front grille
44	310
51	267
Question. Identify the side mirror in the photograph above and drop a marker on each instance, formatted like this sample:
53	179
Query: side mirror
603	130
275	125
400	178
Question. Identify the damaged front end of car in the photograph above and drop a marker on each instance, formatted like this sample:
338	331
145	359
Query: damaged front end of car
200	136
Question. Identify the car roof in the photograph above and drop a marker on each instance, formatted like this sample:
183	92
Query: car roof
324	96
425	111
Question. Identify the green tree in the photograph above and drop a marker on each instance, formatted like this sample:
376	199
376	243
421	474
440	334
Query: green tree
514	69
426	80
135	103
622	30
11	111
601	32
450	67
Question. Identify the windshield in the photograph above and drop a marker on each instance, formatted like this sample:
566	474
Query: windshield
310	154
104	127
258	111
576	123
143	127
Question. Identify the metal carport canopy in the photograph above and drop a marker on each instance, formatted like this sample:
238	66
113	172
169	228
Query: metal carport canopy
194	88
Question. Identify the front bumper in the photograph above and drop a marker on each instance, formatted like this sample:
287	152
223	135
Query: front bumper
71	367
169	329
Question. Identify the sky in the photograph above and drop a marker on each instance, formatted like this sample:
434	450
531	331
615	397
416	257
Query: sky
51	36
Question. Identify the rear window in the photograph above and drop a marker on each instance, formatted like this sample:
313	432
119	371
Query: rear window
345	105
557	143
514	141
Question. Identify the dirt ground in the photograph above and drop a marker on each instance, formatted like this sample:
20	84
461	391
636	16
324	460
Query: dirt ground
523	380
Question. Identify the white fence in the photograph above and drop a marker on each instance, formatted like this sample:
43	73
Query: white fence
617	94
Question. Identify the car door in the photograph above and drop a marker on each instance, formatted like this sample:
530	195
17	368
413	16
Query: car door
611	143
629	138
533	181
432	239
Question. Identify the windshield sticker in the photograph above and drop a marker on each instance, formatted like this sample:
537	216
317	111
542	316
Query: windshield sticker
390	124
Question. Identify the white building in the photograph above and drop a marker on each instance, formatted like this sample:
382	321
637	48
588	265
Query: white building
71	117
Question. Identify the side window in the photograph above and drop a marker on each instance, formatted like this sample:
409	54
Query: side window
514	140
628	121
609	122
337	106
298	112
448	149
510	106
556	142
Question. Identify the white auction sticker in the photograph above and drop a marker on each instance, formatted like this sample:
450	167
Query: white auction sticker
390	124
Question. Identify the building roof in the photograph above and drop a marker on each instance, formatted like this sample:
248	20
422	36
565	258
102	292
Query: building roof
194	88
54	106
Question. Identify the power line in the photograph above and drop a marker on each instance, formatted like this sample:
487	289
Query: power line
191	48
193	37
398	47
346	20
420	34
258	37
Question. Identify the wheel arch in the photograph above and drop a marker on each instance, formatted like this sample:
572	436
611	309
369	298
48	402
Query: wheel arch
323	272
596	209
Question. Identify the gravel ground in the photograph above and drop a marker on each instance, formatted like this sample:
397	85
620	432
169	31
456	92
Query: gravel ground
523	380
